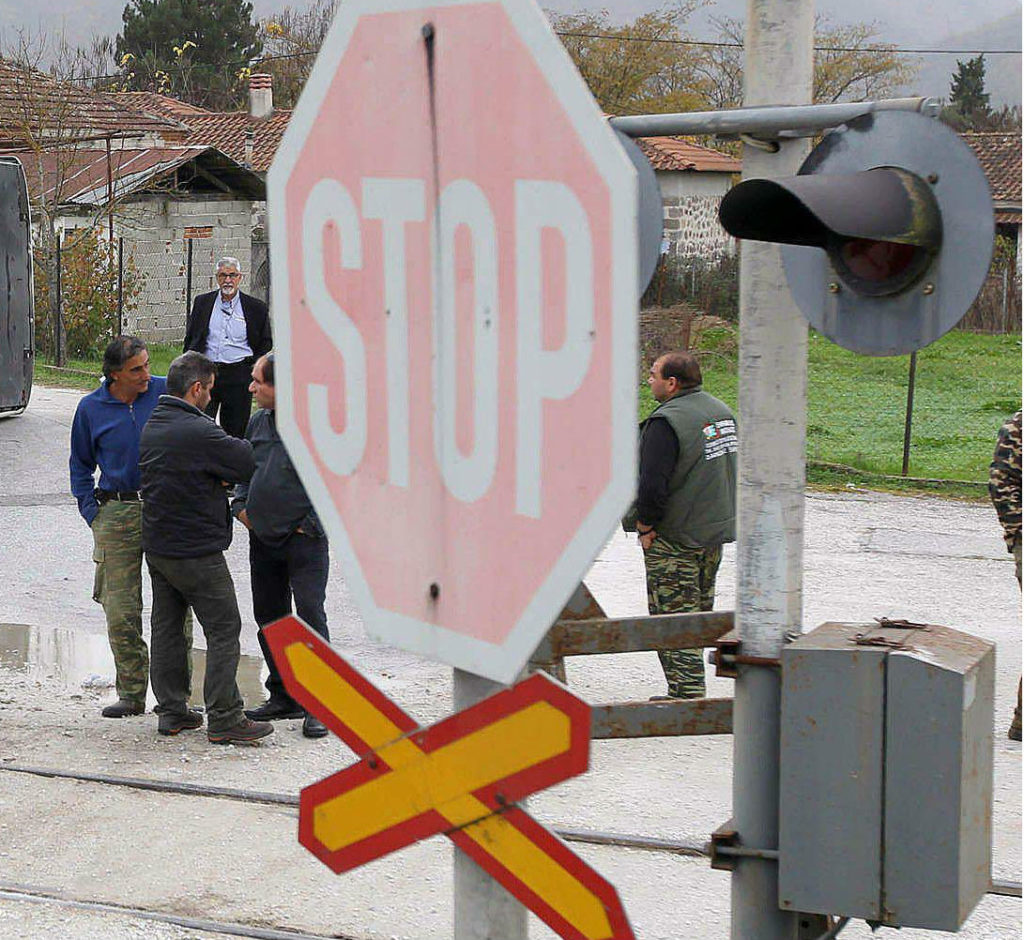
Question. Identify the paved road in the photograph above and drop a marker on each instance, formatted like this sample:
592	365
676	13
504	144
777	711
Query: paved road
866	555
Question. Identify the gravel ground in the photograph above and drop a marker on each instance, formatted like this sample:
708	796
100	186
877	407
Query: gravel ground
866	555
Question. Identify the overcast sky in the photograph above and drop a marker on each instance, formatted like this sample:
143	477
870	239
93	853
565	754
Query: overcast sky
915	24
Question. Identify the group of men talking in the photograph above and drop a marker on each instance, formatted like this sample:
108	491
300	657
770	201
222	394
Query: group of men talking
171	478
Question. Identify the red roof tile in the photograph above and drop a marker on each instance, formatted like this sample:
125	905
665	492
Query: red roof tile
37	106
151	102
999	155
228	131
80	175
674	153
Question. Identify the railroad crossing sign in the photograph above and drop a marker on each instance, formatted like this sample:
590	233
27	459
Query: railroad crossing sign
454	247
461	777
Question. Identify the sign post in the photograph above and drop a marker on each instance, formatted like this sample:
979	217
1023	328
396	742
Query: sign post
463	777
773	416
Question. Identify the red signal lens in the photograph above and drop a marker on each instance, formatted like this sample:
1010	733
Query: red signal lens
878	268
877	261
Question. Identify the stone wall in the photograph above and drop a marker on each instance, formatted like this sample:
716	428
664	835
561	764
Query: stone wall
157	231
691	201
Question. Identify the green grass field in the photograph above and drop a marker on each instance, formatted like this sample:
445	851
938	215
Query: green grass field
966	385
160	356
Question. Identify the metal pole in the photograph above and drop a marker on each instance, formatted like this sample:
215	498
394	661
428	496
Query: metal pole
60	350
773	420
1006	299
110	197
910	412
188	279
805	120
120	284
484	910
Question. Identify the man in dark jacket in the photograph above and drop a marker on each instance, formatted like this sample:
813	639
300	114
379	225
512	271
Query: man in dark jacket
686	503
186	463
288	555
231	329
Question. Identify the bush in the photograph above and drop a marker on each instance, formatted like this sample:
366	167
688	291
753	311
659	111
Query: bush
710	287
89	289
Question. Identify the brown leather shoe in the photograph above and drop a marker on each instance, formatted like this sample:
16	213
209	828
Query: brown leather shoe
172	724
246	731
122	708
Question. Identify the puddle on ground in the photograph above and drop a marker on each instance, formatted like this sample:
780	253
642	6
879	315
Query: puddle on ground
81	663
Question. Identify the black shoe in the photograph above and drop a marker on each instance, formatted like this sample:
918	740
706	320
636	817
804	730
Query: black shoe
275	709
172	724
313	727
122	708
245	732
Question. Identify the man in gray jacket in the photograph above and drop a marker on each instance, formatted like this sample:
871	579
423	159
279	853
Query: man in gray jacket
186	463
288	556
686	503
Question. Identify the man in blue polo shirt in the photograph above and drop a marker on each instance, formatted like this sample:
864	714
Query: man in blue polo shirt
105	435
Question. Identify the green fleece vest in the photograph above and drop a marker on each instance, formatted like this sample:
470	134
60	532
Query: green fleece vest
701	510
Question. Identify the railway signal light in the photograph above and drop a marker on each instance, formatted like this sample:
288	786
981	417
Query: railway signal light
887	231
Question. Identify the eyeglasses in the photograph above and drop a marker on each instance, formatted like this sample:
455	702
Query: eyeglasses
222	276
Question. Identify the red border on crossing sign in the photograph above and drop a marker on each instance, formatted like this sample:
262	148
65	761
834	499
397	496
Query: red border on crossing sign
411	783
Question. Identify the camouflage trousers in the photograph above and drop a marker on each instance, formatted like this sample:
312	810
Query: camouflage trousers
117	551
681	580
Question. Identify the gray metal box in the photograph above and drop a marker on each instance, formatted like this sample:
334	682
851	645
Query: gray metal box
886	774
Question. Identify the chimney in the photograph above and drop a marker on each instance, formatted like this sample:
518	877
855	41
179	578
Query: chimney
250	136
261	95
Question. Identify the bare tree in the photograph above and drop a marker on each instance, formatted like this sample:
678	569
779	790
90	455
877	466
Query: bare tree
48	119
850	64
291	40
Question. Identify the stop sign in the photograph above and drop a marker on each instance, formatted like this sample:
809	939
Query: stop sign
453	242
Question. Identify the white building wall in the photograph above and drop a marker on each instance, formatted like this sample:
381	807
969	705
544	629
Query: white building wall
691	201
157	231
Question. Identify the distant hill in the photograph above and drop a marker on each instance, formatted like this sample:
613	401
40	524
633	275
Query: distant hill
947	24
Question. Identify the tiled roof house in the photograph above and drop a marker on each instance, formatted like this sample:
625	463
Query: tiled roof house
1000	158
692	178
95	155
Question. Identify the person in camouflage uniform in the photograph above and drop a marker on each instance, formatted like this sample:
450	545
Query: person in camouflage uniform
686	503
1005	491
105	435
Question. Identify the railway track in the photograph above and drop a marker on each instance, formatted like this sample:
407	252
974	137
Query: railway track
1000	887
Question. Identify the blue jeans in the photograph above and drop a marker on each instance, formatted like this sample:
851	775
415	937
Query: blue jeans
298	569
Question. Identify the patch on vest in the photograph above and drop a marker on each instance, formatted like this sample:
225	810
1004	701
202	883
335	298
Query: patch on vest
719	438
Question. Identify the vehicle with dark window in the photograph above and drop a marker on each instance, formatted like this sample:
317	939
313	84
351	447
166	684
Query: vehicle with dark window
17	324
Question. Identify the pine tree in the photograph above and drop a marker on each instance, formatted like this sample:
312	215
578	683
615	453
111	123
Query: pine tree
967	95
196	50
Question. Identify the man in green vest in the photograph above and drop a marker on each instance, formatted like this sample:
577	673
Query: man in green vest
686	503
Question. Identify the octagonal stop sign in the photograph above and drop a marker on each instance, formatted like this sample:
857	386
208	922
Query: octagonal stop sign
453	243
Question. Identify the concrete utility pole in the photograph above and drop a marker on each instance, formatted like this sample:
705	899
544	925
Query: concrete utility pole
772	399
484	910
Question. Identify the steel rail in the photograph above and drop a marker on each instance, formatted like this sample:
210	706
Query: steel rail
587	836
39	895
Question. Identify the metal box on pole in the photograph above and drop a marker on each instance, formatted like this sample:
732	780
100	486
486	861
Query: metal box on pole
886	773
